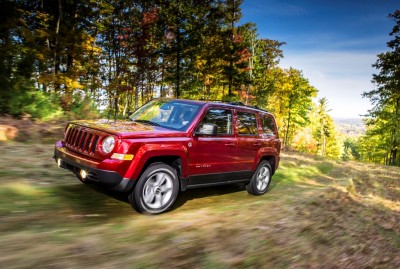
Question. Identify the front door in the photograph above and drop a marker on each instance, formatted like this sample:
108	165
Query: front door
212	158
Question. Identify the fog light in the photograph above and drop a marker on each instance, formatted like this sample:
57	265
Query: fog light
83	174
59	162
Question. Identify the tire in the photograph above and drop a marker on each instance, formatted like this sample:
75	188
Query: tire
261	179
156	189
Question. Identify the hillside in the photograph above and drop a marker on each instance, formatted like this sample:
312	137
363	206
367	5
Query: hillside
350	126
318	213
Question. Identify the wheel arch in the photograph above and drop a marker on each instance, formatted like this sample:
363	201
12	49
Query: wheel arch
172	160
271	159
175	161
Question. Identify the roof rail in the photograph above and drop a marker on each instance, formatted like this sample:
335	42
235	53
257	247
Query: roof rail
237	103
233	103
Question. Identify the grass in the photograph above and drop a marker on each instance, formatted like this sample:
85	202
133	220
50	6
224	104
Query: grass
317	214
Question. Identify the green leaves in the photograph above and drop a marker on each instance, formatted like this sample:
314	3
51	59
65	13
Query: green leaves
385	123
121	54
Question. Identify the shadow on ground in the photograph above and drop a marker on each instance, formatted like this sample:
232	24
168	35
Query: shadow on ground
93	199
108	200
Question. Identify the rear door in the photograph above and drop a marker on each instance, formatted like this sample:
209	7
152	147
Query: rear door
249	141
270	137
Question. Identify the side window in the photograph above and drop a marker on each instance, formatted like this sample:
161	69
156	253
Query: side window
222	118
247	123
267	125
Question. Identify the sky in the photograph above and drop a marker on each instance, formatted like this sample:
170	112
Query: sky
334	43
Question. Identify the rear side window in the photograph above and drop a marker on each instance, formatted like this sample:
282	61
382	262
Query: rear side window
247	123
222	118
268	125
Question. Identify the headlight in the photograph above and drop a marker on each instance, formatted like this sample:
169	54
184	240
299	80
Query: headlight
108	144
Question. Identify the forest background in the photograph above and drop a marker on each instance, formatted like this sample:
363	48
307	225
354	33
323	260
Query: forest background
71	59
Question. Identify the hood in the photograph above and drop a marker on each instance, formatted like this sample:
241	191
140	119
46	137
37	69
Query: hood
126	128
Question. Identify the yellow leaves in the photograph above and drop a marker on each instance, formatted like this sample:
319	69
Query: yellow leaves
89	44
304	141
204	73
40	33
72	84
41	56
200	63
62	80
287	86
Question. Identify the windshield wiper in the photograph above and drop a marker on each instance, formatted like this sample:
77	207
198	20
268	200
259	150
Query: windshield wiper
148	122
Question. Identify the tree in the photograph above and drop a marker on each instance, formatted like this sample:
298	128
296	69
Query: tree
319	136
351	149
233	46
323	130
124	53
8	49
264	57
386	96
292	102
325	133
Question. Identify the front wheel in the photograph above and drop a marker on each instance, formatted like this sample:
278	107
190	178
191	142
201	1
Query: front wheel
261	179
156	190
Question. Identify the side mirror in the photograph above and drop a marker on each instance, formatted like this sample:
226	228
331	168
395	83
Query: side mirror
128	116
165	106
207	129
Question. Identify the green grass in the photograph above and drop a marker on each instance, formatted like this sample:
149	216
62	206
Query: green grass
318	213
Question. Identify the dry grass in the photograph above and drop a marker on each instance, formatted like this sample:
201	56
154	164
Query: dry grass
318	214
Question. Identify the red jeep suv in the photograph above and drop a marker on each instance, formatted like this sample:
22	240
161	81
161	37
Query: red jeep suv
173	145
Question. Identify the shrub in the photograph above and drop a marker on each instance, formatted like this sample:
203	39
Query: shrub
25	99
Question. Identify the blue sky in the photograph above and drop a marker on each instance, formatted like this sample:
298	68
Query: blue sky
334	43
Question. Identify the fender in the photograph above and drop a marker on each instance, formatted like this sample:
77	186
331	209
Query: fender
147	151
266	152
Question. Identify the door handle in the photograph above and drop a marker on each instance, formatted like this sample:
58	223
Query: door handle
229	144
257	144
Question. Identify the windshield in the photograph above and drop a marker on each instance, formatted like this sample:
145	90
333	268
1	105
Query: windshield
171	114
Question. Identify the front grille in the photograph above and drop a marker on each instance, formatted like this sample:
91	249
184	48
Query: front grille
81	139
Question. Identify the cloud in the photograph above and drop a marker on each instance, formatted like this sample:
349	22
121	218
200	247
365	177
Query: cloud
334	43
339	76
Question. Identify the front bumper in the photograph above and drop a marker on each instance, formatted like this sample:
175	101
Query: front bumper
108	179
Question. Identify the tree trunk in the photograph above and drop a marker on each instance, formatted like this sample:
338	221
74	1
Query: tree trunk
285	142
137	94
162	91
394	146
116	101
178	65
56	62
230	74
126	105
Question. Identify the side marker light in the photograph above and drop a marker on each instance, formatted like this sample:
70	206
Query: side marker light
122	157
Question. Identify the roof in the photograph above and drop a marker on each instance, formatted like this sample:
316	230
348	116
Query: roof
223	103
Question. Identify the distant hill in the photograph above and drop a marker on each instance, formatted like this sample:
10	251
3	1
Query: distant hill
350	126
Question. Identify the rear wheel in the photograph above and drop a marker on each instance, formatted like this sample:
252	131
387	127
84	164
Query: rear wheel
156	190
261	179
